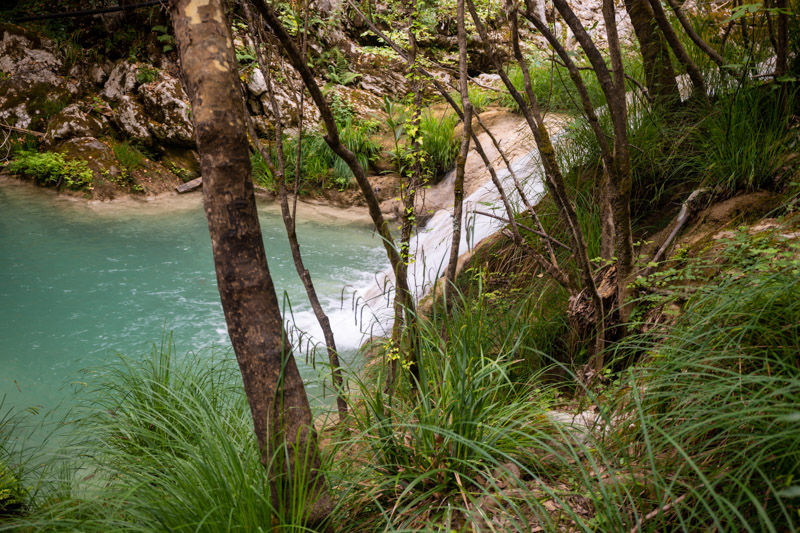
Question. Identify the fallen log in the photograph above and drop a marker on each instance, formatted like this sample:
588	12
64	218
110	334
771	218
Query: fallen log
189	186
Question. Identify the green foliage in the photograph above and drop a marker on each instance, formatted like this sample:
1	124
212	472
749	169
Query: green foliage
320	166
167	41
552	87
439	145
745	139
147	74
170	446
426	447
262	174
12	493
339	72
129	156
51	168
719	420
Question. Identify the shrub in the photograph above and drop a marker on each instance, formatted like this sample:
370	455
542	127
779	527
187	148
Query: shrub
439	144
50	168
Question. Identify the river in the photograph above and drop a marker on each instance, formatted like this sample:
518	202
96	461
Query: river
80	284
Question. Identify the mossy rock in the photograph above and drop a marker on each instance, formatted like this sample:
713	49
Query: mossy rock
70	123
101	161
182	162
29	106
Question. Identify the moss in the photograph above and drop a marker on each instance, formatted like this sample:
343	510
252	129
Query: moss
39	101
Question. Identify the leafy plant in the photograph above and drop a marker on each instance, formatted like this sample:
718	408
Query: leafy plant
51	168
339	72
147	74
167	41
439	144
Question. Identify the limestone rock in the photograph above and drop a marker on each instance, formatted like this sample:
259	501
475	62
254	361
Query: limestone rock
98	72
29	104
99	156
71	122
121	81
256	84
29	57
167	108
131	118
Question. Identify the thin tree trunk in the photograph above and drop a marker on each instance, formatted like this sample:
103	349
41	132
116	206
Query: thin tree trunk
782	53
334	142
698	83
289	223
272	382
690	31
458	187
555	180
405	321
658	72
552	270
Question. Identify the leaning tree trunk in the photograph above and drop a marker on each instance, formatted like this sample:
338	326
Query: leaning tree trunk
272	382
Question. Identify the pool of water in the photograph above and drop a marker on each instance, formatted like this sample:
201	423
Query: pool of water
79	285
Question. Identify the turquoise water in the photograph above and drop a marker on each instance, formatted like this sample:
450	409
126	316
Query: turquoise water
79	285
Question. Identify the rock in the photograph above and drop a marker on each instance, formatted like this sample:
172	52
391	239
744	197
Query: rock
131	118
99	157
29	105
71	122
167	108
121	81
257	85
98	72
182	162
29	57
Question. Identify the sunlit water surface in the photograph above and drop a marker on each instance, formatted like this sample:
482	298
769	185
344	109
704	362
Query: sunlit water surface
79	285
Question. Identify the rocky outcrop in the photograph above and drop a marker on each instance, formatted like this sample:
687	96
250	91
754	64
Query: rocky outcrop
131	119
26	104
69	123
98	155
28	56
121	81
167	108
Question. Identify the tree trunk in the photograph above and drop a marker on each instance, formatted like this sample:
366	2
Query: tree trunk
289	222
698	83
658	72
335	143
272	382
782	53
458	186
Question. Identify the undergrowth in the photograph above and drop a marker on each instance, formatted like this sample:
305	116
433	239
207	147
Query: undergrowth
52	168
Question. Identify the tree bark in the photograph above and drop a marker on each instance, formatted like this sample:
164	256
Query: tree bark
782	53
289	223
458	187
658	72
698	83
273	385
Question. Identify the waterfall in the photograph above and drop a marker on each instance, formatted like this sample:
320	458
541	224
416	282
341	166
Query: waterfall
431	243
